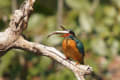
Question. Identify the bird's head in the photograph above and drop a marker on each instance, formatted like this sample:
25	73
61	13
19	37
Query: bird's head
68	33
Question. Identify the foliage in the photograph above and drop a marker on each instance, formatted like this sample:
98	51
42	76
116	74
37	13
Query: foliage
96	23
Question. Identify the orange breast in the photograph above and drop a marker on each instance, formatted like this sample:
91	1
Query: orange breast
71	51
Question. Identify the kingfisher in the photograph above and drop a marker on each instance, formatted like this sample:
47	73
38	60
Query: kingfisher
72	47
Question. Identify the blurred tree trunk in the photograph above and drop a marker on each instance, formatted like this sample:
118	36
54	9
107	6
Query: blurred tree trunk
60	12
14	5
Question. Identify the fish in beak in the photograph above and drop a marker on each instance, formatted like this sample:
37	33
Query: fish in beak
65	33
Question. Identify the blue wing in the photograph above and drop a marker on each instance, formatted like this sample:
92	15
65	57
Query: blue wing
80	46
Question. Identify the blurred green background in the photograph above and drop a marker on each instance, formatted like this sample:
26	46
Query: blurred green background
96	23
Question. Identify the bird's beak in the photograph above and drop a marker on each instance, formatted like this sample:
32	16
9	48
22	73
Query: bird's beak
59	32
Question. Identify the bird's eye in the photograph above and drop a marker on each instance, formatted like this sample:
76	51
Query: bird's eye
71	32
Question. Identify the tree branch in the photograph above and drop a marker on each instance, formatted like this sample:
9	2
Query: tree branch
12	38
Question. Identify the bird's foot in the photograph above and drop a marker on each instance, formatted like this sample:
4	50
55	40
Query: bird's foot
66	58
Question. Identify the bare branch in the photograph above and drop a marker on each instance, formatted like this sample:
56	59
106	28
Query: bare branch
79	77
51	52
